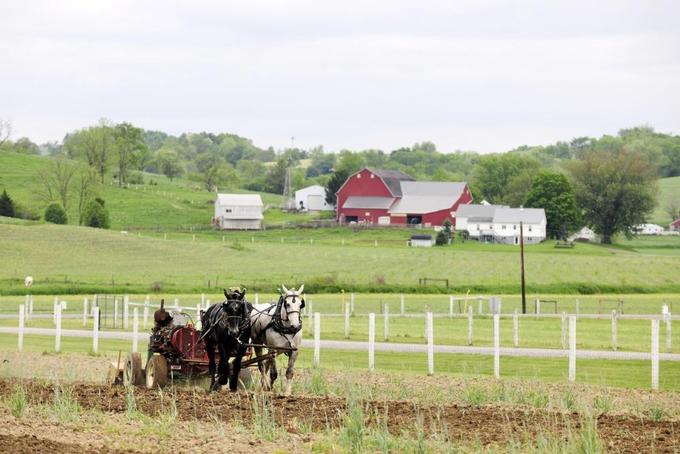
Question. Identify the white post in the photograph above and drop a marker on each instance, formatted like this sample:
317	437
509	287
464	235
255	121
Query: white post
135	330
371	341
146	313
54	310
450	305
351	303
469	325
57	335
614	331
115	312
346	320
85	301
126	312
430	344
480	309
257	298
538	307
668	333
375	243
95	330
317	338
515	329
20	341
655	355
564	330
572	348
386	314
401	304
496	346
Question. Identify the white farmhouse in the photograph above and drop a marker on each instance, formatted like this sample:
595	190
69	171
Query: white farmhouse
648	229
501	224
312	198
238	212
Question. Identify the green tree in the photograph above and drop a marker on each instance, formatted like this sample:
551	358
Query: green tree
95	145
553	192
6	205
615	188
337	179
129	148
96	215
55	213
505	178
169	163
220	174
54	181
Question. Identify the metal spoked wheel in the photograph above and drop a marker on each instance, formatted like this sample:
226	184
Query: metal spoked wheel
133	375
156	372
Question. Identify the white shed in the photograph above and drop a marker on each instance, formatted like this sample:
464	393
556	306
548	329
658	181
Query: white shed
238	211
312	198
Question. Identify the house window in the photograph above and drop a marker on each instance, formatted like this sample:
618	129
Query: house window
530	229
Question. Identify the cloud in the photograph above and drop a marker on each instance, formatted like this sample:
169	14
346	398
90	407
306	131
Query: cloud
468	75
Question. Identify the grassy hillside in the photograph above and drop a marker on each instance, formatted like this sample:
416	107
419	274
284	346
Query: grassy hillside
669	189
75	259
159	204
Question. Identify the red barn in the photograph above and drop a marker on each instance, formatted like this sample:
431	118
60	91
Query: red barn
393	197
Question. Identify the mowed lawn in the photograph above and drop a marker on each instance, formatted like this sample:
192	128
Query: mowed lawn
81	260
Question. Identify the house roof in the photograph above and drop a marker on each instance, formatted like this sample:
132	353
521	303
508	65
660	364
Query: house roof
313	189
526	215
421	237
368	202
240	199
427	196
392	179
477	213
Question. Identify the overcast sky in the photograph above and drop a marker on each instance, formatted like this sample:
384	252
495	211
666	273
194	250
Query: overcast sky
470	75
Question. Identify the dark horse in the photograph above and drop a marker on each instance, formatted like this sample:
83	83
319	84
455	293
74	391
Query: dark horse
226	325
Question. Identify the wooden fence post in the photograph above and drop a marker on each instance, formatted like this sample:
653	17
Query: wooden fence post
430	343
469	325
317	338
655	355
95	330
572	348
371	341
496	346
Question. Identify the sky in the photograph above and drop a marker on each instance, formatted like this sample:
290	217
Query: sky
467	75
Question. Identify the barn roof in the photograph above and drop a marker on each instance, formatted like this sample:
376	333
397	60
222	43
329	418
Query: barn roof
427	196
240	199
368	202
392	179
526	215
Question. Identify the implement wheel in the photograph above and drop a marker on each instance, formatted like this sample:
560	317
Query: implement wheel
133	375
156	372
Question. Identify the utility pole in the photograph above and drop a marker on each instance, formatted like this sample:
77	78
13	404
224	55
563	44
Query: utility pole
521	252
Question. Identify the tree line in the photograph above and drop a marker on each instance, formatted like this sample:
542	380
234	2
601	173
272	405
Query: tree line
607	183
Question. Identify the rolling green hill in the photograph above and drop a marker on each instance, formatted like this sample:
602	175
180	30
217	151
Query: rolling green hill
669	189
159	204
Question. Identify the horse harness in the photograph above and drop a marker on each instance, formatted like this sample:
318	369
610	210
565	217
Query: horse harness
224	318
276	322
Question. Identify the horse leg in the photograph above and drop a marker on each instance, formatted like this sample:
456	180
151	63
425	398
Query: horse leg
223	367
290	371
273	373
262	367
210	350
236	368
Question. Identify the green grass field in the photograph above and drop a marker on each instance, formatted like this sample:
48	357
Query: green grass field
70	259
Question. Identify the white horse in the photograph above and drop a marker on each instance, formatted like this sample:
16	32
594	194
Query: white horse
28	282
279	327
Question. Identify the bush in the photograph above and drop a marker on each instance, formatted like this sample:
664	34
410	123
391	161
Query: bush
6	205
135	178
442	238
55	213
96	215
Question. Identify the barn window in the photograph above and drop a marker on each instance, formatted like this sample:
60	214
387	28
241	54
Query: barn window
358	175
372	176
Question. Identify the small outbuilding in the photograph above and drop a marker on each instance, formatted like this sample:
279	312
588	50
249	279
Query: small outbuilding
312	198
421	241
648	229
675	226
238	212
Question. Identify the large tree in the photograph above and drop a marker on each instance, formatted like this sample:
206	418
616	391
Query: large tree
505	178
6	205
129	147
169	163
53	182
616	188
553	192
95	145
